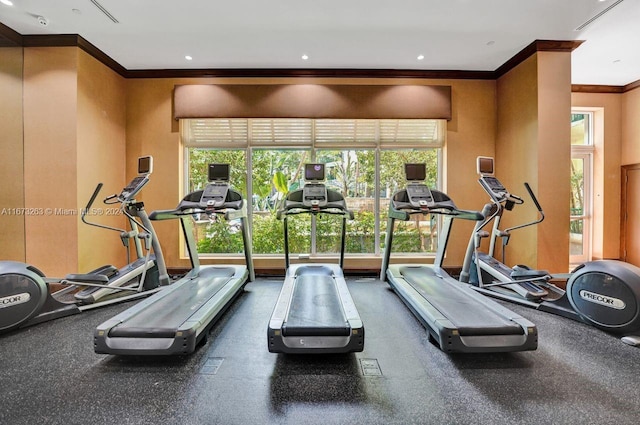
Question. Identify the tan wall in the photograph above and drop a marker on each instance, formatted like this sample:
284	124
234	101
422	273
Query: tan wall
631	127
152	131
517	152
101	151
74	137
50	153
533	145
12	246
554	158
607	110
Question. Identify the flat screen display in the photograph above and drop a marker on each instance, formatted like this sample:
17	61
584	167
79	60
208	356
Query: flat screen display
485	165
219	172
145	165
314	172
415	172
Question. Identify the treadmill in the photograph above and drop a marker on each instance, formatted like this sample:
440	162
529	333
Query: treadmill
175	320
457	318
315	313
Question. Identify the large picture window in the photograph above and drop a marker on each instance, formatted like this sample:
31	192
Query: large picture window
364	161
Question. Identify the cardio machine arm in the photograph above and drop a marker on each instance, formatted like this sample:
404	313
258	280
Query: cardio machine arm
540	212
85	211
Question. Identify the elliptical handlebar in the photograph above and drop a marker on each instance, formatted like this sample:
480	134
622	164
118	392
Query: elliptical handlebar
540	212
85	211
533	196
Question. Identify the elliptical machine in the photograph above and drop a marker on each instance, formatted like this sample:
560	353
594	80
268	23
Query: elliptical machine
25	294
604	294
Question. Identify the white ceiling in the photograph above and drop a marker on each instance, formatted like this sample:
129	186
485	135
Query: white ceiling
475	35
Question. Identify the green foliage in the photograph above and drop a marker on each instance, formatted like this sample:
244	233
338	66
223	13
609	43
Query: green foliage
280	182
277	172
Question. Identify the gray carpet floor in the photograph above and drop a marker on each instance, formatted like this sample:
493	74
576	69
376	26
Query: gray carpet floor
578	375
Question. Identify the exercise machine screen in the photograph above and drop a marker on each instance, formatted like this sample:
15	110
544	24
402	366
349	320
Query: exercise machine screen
415	172
485	165
219	172
145	165
314	172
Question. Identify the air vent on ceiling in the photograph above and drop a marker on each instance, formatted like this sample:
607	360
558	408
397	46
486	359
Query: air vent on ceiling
599	15
105	11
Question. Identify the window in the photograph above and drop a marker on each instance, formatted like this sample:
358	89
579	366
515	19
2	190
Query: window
364	162
581	175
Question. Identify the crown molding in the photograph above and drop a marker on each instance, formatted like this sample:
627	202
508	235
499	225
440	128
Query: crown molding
63	40
537	46
9	37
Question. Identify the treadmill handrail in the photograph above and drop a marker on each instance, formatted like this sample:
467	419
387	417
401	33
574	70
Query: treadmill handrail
327	209
401	210
336	206
230	211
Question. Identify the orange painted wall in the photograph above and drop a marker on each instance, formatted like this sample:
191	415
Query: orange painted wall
74	120
101	151
533	145
631	127
12	246
608	114
152	131
50	155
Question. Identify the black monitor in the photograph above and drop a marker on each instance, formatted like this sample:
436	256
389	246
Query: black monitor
218	172
484	165
145	165
314	172
415	172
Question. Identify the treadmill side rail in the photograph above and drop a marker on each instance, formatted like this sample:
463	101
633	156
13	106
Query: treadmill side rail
446	333
280	343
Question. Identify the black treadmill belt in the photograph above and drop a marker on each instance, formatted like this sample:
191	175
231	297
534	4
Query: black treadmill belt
470	317
162	318
315	308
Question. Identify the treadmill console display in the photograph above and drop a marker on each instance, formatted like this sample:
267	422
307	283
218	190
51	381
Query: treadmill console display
314	195
215	193
420	195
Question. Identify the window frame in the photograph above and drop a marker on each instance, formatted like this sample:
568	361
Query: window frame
378	145
585	153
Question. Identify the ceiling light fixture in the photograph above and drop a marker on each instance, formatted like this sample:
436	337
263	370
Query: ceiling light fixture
42	21
7	2
305	57
420	57
189	58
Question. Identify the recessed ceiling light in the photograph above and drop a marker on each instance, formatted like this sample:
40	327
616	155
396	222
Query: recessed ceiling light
77	11
420	57
617	61
305	57
189	58
491	43
7	2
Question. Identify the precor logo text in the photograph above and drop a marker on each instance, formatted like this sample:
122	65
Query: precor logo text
602	300
15	299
